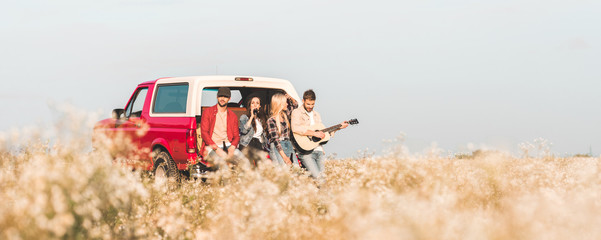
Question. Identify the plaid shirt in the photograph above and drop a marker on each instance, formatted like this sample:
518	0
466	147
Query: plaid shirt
273	136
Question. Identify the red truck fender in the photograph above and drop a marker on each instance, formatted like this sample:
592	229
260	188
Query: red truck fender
161	142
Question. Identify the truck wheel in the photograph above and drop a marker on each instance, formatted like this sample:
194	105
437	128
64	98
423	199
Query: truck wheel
165	169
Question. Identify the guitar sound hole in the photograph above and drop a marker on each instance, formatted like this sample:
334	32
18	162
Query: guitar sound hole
315	139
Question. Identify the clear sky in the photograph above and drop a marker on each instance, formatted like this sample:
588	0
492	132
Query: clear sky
492	73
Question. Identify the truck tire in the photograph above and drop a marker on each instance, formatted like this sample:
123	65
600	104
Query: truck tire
165	168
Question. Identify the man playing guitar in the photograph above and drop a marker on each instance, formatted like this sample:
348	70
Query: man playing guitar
301	121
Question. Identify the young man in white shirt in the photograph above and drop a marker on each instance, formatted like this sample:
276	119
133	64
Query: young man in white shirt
301	120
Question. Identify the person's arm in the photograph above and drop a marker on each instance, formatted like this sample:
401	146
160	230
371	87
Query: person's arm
287	159
204	129
250	121
245	125
315	134
285	130
272	134
299	128
291	101
292	104
234	127
343	125
296	123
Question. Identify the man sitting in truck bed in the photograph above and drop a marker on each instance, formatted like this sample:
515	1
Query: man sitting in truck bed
219	128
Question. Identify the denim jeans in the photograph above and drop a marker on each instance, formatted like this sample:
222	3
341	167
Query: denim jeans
314	163
275	156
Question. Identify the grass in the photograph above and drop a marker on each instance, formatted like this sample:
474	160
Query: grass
64	191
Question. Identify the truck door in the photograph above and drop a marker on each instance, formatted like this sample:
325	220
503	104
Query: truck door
132	125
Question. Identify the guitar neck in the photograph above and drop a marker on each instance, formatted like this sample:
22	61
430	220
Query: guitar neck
338	126
332	128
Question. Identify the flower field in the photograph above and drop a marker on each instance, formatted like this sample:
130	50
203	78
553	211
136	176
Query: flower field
65	191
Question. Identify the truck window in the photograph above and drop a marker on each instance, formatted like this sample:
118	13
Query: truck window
134	108
209	97
239	97
172	98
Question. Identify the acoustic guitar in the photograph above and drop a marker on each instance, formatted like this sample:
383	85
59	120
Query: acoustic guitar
306	144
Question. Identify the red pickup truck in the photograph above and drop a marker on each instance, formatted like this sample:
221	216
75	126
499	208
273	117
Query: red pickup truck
161	120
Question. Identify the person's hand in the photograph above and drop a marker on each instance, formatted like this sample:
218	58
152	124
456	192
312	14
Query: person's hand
290	98
221	153
230	151
252	113
319	134
287	160
343	125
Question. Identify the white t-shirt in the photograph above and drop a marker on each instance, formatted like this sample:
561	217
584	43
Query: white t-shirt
312	119
259	130
220	130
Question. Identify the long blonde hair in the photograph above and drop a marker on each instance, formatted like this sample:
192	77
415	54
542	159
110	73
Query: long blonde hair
278	104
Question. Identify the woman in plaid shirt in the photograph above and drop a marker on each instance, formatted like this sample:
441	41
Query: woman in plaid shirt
278	129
